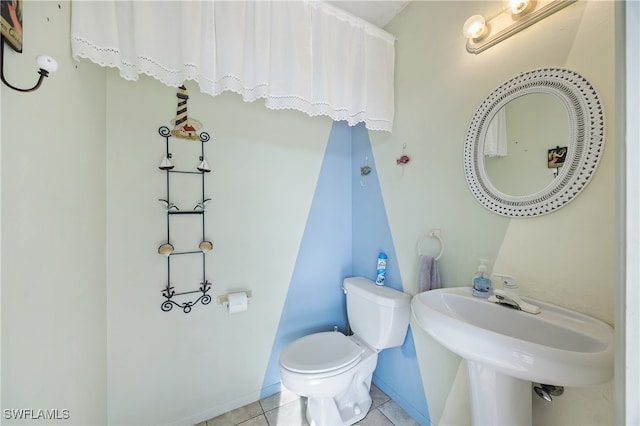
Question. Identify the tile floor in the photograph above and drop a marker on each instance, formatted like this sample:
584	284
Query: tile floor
287	409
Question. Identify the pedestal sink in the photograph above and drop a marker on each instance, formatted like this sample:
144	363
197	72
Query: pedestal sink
507	349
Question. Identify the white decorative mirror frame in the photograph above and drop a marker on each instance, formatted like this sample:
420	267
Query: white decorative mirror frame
585	144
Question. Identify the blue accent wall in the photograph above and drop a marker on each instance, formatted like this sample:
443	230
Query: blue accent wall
397	373
346	229
315	300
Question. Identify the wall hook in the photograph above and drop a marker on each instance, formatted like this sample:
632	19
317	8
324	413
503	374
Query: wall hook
46	63
364	172
404	159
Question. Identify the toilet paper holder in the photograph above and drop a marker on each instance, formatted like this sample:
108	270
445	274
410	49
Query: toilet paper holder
224	298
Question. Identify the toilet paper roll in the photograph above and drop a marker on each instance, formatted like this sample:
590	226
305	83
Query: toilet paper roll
237	302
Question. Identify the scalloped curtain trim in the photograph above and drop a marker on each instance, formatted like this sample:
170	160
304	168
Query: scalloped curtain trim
302	55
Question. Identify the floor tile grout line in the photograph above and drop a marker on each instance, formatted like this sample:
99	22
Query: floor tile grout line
264	413
385	416
255	417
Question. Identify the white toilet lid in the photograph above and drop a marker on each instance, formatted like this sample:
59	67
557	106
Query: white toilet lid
319	353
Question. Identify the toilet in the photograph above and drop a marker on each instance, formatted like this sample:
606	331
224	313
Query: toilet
333	370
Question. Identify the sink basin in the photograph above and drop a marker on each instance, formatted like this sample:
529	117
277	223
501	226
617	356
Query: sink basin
557	346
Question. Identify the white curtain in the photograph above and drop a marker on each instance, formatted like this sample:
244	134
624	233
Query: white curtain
303	55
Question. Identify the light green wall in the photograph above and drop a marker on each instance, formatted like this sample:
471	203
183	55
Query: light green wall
567	257
178	368
53	228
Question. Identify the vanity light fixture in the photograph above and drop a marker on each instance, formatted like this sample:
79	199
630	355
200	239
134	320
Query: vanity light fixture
46	64
517	15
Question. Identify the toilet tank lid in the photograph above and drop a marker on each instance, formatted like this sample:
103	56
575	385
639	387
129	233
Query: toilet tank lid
380	294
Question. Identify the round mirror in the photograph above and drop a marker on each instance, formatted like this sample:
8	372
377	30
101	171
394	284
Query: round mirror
534	143
516	153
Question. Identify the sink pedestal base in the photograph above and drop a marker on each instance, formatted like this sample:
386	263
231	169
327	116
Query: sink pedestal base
498	399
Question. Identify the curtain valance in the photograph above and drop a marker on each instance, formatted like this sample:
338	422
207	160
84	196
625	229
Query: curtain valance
303	55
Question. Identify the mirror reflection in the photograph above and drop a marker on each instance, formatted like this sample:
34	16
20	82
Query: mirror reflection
517	144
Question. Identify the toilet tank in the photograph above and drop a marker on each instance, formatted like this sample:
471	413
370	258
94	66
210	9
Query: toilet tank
378	315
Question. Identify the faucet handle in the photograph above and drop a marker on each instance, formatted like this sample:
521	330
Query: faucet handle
501	296
508	282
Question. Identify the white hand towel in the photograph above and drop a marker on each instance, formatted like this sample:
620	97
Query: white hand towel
428	277
495	142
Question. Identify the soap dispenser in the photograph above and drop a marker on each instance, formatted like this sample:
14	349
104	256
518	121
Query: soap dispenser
480	282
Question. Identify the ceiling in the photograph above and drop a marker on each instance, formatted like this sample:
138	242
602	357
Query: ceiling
380	12
377	12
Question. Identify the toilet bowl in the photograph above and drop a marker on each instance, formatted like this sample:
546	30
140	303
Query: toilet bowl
336	383
334	371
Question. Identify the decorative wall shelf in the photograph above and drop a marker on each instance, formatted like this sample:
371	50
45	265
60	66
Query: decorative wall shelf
185	299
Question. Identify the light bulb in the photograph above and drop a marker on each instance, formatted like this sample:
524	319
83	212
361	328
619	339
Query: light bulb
47	63
474	27
518	7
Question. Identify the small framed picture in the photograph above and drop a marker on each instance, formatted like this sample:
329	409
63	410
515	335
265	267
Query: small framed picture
11	22
556	156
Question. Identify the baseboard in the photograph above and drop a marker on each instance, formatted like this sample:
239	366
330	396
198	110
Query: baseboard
402	402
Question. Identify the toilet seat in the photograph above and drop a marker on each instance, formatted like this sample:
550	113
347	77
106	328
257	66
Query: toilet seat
320	353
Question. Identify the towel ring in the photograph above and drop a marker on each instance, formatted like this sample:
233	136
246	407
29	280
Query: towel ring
434	233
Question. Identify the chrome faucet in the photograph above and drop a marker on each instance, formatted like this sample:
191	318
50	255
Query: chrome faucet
509	296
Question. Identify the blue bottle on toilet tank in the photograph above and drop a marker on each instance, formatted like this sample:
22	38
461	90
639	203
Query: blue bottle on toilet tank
381	268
